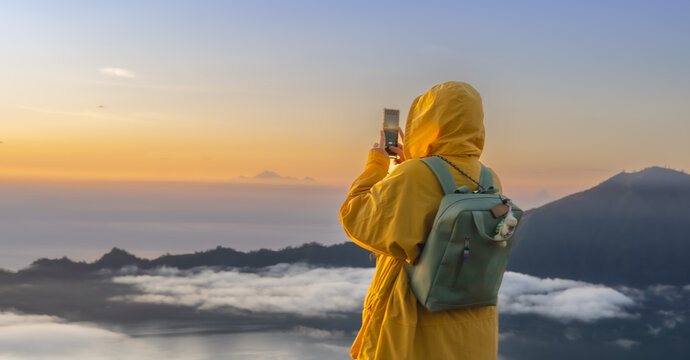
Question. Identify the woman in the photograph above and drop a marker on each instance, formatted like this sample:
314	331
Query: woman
391	215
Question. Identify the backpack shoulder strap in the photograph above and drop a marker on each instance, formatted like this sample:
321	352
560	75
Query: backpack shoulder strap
486	178
442	174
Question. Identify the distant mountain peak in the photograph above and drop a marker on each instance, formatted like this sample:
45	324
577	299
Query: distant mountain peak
656	171
267	174
631	229
661	171
653	175
116	251
117	257
272	175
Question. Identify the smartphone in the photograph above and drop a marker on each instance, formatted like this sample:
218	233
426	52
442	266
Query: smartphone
391	119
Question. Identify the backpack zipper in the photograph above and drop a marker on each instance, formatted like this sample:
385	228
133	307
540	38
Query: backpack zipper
466	252
465	257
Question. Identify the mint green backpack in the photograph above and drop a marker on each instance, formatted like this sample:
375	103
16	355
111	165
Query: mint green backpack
463	259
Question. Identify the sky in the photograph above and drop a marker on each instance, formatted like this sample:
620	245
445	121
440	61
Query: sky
85	220
211	90
208	91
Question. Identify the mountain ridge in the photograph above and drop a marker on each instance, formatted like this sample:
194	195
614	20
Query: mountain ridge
344	254
628	230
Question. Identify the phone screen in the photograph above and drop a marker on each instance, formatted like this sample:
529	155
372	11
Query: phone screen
391	119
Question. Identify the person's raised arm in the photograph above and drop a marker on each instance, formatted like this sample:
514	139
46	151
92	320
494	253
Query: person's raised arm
389	213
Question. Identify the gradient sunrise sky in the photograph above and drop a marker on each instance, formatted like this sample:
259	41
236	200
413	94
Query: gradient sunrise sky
211	90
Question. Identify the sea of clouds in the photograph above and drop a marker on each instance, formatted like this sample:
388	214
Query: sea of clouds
302	290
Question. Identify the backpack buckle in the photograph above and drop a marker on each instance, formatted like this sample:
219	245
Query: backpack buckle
462	190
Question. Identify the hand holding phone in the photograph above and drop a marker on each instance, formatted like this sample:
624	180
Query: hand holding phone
398	150
391	119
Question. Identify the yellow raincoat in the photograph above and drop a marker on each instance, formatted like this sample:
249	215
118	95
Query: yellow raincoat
392	213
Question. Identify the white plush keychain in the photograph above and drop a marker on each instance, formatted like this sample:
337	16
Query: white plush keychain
505	228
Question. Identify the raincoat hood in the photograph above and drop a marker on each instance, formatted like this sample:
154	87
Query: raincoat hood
448	119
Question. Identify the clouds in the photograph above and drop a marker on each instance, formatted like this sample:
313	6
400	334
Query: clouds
304	311
283	288
626	344
301	290
317	333
11	319
669	321
117	72
669	293
564	300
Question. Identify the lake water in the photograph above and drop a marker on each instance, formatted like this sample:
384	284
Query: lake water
73	341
